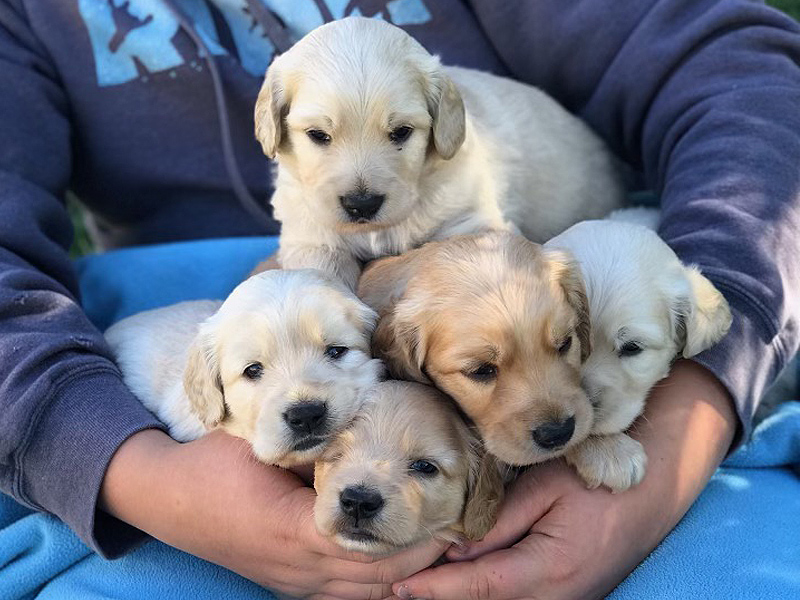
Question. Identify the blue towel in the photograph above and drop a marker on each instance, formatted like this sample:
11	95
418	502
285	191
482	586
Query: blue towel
741	539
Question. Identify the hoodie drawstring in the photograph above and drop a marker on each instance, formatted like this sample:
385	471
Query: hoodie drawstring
281	39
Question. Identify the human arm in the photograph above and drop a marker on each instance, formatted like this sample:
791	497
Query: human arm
64	406
702	97
212	499
556	539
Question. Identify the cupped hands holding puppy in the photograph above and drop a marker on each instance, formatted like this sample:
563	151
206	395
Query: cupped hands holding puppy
211	498
556	539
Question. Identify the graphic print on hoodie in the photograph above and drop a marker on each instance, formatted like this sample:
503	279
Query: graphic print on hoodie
134	38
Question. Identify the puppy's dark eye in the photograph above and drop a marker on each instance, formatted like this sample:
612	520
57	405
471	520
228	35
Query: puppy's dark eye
484	373
398	135
565	346
423	467
629	349
318	137
336	352
253	371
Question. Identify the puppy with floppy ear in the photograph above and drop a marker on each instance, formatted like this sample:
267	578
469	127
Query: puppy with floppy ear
406	469
284	363
499	325
647	309
202	381
380	148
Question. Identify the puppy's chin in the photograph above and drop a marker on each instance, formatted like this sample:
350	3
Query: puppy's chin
346	226
307	451
521	455
365	542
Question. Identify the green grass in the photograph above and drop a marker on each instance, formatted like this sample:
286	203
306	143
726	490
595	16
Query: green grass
82	244
791	7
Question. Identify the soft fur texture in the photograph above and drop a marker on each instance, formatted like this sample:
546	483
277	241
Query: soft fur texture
454	310
484	151
403	423
187	362
647	308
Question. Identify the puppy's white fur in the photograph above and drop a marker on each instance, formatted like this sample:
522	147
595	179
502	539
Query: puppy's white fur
485	151
400	425
647	308
186	362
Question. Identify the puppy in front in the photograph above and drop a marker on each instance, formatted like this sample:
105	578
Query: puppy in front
380	149
499	324
647	310
284	363
408	468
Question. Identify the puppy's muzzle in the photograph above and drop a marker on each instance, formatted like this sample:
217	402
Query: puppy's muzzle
554	434
307	418
361	206
360	502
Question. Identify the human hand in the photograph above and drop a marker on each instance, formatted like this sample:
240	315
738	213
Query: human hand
556	539
212	499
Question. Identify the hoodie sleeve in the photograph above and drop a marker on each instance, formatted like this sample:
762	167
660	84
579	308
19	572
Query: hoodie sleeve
702	96
64	409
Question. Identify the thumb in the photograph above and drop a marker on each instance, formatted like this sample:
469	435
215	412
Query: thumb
500	575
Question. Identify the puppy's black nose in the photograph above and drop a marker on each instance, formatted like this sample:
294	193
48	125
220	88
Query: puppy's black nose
361	204
554	434
360	502
307	417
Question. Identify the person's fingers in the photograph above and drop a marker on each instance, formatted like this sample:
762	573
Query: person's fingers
347	590
528	499
502	575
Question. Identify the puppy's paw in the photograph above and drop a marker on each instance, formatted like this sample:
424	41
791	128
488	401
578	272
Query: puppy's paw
616	461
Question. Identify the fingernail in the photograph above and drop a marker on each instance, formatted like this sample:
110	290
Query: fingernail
404	593
460	548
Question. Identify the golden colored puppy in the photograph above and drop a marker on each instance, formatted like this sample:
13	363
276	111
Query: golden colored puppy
284	363
406	469
500	325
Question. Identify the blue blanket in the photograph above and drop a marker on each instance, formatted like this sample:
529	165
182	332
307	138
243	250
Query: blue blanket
741	539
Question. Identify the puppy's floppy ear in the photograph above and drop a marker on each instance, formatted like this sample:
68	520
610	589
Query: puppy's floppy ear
271	107
362	315
568	273
447	111
485	492
399	338
201	379
398	341
701	320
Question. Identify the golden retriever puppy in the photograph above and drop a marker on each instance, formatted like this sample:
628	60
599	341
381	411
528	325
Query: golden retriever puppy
407	468
284	363
499	324
380	149
647	310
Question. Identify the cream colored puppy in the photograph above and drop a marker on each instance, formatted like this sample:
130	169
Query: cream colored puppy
284	363
647	310
500	325
380	148
408	468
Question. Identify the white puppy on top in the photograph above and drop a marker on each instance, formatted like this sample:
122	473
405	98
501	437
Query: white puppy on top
647	309
380	148
284	363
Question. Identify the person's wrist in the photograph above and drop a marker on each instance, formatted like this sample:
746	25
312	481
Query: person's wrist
127	491
687	429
